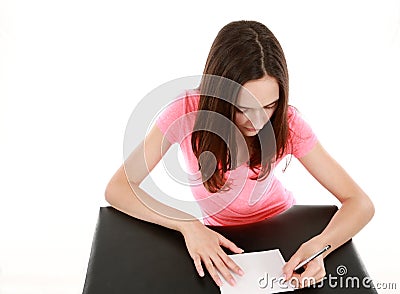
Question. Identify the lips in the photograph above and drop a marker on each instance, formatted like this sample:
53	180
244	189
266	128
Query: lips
251	130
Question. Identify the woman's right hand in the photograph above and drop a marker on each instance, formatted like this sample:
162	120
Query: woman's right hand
204	246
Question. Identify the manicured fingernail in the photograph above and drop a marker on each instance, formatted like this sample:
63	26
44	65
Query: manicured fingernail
241	272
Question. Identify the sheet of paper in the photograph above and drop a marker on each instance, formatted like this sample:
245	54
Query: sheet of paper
262	274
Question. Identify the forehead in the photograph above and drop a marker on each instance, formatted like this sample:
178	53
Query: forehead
258	93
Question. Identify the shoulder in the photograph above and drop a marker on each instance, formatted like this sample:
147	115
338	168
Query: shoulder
187	101
192	98
292	114
295	119
173	119
301	136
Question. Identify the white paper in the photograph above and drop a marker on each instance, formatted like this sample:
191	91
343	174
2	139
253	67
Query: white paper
262	273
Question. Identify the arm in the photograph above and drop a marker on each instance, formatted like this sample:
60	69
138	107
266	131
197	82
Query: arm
355	212
124	194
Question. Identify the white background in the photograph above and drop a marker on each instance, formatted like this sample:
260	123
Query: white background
71	73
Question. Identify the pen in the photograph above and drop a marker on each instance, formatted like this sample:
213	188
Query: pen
299	269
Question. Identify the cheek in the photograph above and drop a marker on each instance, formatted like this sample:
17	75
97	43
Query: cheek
270	112
240	119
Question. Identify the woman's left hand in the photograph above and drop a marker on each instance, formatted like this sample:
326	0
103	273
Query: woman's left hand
314	270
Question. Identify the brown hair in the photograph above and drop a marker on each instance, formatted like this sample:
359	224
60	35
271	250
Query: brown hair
242	51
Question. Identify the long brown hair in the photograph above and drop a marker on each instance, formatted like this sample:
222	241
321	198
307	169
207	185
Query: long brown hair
241	52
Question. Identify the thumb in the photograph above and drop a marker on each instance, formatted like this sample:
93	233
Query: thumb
291	265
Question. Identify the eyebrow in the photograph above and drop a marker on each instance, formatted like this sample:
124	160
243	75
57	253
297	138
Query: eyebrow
263	106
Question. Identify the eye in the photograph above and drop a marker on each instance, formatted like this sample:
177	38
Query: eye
240	111
272	106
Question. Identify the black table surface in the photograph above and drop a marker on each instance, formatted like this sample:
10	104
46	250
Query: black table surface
132	256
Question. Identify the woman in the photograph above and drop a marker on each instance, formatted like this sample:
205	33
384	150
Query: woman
233	154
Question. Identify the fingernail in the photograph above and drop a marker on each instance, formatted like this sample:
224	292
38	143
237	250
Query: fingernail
233	282
219	282
241	272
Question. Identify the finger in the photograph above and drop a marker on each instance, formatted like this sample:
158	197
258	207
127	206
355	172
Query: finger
301	281
289	267
229	244
230	263
311	270
213	273
320	279
221	267
294	281
307	282
313	273
298	281
197	264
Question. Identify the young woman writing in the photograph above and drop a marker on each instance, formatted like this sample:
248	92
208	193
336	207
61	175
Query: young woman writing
233	130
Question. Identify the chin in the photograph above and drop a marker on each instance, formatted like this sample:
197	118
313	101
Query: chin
250	133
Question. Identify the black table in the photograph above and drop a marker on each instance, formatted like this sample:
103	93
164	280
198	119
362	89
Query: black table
132	256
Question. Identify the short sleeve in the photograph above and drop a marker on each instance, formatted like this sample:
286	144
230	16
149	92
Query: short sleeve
301	136
173	121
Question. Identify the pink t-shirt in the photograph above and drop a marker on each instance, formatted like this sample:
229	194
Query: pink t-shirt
248	200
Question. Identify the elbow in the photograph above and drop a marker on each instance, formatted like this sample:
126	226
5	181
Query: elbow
369	208
362	206
116	191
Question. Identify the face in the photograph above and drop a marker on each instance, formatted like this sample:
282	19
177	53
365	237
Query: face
257	101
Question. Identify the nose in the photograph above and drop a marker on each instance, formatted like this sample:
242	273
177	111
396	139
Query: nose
258	118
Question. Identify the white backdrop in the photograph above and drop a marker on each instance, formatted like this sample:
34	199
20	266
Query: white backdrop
72	72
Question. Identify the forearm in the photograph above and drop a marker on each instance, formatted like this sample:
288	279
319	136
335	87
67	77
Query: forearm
122	197
353	215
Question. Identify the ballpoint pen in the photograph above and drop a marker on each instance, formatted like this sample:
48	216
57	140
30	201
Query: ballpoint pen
300	268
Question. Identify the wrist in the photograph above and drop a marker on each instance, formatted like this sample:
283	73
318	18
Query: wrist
188	226
320	241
